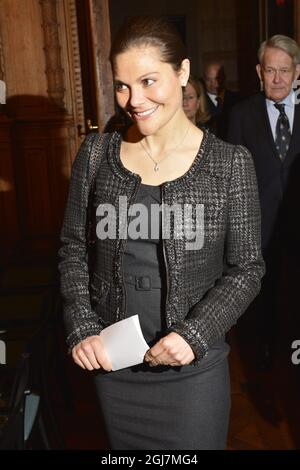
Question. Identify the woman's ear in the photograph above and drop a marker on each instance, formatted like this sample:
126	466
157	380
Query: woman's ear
184	72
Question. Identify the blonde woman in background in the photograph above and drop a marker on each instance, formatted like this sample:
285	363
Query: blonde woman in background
194	104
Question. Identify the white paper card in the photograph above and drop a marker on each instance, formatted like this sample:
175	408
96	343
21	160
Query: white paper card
125	343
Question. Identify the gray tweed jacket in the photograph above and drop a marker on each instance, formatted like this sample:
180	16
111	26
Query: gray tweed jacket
207	288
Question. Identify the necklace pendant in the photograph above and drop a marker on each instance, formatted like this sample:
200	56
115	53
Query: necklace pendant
156	168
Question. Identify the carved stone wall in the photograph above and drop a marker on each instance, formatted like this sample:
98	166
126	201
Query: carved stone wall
40	51
75	63
54	70
100	36
70	58
217	35
2	68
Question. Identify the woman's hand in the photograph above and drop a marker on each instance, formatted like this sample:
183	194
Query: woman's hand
90	354
171	350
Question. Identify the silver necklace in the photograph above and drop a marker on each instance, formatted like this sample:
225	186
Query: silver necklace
156	164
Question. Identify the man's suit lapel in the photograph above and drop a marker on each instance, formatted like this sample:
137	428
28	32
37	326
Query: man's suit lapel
294	147
266	126
214	110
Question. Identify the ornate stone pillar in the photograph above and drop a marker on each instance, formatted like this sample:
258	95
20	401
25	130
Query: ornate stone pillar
2	73
54	69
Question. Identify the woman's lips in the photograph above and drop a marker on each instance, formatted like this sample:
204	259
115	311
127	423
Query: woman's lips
142	115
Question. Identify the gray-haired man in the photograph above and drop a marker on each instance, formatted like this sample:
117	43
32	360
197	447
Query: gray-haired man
268	124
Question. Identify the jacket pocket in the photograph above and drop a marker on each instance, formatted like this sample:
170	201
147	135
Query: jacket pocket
98	289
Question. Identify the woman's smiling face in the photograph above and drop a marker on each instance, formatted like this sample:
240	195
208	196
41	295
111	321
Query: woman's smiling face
149	90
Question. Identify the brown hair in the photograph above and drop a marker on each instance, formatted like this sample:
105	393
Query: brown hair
150	31
202	115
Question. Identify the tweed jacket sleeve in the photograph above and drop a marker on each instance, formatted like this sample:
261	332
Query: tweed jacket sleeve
73	253
239	284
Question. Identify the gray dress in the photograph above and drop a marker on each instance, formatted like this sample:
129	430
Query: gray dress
162	407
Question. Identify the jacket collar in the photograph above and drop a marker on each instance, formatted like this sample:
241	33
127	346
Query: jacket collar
119	169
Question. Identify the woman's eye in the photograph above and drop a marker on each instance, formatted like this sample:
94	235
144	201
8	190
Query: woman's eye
148	81
120	87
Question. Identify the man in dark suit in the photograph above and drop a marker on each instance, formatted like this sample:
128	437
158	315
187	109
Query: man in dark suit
219	99
268	124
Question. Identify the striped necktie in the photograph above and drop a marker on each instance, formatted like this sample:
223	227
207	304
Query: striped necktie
283	132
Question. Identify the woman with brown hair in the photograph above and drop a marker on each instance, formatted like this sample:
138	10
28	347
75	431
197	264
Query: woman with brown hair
188	277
